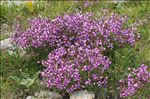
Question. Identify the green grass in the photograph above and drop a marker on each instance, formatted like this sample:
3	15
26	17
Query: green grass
14	65
19	75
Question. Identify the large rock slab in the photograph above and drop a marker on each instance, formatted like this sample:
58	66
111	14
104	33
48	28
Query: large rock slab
82	95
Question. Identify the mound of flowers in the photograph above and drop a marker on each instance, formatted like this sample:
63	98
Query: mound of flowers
79	42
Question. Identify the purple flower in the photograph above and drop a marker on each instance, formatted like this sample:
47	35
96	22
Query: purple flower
75	28
65	69
134	81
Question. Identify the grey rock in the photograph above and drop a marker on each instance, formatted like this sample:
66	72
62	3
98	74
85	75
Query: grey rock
7	45
82	95
47	95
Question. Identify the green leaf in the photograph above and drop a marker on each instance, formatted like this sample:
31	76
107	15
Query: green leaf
15	78
26	82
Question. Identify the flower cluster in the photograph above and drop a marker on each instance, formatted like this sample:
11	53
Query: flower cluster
78	41
74	68
137	79
39	33
68	29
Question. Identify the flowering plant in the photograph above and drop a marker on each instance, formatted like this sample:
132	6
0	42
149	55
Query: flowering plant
78	42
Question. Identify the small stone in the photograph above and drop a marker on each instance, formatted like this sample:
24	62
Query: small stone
30	97
82	95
